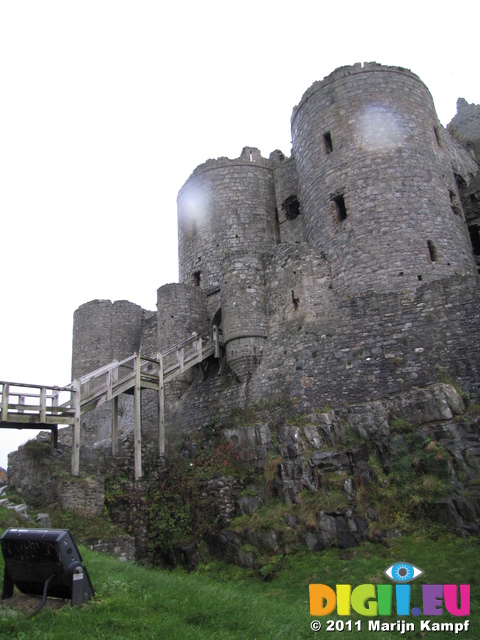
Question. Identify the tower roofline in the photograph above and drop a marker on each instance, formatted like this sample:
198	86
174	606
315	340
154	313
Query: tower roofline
345	72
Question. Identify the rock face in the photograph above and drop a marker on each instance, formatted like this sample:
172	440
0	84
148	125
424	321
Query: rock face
337	475
314	480
343	284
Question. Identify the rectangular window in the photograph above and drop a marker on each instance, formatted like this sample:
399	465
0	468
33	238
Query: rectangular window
327	139
340	208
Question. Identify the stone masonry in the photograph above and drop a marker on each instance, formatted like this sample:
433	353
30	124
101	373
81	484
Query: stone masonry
343	273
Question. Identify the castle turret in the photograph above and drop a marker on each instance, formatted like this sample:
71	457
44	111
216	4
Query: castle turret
224	206
104	331
378	192
244	315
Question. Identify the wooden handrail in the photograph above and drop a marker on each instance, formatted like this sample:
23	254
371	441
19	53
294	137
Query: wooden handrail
104	384
35	386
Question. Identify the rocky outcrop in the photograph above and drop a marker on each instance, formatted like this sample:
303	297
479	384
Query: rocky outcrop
330	478
324	478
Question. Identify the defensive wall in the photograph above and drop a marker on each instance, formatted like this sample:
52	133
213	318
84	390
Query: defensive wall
340	274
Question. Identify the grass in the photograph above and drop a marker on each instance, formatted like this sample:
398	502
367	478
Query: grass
223	602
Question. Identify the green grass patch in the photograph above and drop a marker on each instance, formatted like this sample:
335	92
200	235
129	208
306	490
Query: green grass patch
226	603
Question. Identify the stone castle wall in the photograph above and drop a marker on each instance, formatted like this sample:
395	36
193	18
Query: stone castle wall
224	206
342	273
376	181
104	331
334	351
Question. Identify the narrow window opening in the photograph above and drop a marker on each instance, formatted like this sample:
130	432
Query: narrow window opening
432	250
251	156
196	276
295	300
454	203
291	206
217	318
461	184
420	277
437	136
340	208
474	232
327	139
276	227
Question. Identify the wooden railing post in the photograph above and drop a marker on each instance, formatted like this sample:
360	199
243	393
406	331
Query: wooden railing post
137	421
112	377
115	427
43	404
216	341
54	429
76	429
5	394
161	408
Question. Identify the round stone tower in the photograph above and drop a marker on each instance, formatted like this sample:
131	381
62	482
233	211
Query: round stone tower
104	331
378	191
225	205
244	314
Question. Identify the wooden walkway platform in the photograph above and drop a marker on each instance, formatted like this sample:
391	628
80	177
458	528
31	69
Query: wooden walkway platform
29	406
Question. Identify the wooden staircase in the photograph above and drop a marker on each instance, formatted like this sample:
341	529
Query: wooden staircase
29	406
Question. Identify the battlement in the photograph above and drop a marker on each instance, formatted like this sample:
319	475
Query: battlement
347	72
250	157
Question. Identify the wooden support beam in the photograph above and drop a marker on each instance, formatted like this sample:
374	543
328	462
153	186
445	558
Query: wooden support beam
137	420
54	429
43	404
115	427
181	359
5	394
76	429
216	341
112	377
199	349
54	437
161	408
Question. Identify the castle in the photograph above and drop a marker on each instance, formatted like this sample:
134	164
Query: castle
343	273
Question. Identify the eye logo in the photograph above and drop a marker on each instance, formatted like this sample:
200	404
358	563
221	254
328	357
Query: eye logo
378	599
402	572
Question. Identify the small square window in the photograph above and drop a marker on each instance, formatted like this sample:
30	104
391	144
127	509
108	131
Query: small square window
291	206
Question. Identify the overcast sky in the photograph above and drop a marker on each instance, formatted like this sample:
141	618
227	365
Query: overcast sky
106	107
